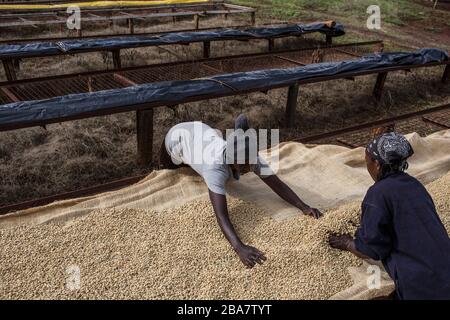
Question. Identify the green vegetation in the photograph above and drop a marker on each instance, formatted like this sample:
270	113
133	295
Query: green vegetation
405	23
395	12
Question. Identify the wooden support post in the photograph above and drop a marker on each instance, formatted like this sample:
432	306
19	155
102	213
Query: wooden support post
206	49
291	105
197	21
271	44
329	40
131	26
174	18
144	128
378	90
16	63
446	76
117	63
10	72
253	18
79	33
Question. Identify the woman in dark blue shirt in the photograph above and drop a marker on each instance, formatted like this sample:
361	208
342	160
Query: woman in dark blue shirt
400	226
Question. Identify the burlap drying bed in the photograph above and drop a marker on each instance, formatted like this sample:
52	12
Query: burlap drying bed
325	176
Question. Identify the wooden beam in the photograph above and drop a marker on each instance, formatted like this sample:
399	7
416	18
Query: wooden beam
378	90
253	18
10	94
124	80
206	49
290	60
144	128
143	106
348	52
131	26
16	64
174	18
28	22
116	59
446	76
329	40
94	15
197	21
291	105
10	72
271	44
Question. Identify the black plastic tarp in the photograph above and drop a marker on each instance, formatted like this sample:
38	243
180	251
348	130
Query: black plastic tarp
28	49
109	43
197	36
171	92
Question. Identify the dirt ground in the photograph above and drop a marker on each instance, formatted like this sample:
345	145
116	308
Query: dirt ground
38	162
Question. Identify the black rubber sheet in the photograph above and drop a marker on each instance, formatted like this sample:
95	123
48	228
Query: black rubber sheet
173	92
109	43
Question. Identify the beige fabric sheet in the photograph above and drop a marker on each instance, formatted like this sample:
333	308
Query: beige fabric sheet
325	176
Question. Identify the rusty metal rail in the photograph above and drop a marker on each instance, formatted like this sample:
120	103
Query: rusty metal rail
58	16
144	111
110	35
12	62
423	122
48	87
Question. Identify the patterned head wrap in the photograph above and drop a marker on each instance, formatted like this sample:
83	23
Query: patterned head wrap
390	148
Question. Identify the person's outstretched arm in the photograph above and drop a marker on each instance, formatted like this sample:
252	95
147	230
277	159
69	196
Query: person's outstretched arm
286	193
248	255
346	243
372	239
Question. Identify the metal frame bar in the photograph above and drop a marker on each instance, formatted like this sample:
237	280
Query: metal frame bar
148	45
56	39
138	107
179	63
11	76
191	10
144	112
370	125
111	186
48	11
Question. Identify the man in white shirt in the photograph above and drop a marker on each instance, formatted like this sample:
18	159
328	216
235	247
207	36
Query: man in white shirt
203	149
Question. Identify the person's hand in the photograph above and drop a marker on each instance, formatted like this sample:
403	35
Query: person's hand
313	212
249	255
341	242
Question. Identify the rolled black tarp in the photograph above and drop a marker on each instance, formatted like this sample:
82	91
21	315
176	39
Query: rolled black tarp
28	49
332	29
170	92
108	43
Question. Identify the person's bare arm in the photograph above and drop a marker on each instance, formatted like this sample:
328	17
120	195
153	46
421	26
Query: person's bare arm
247	254
346	243
286	193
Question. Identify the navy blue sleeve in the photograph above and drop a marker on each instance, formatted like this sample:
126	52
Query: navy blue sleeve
373	238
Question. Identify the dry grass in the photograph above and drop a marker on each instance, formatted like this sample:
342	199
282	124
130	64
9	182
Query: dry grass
182	254
36	162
